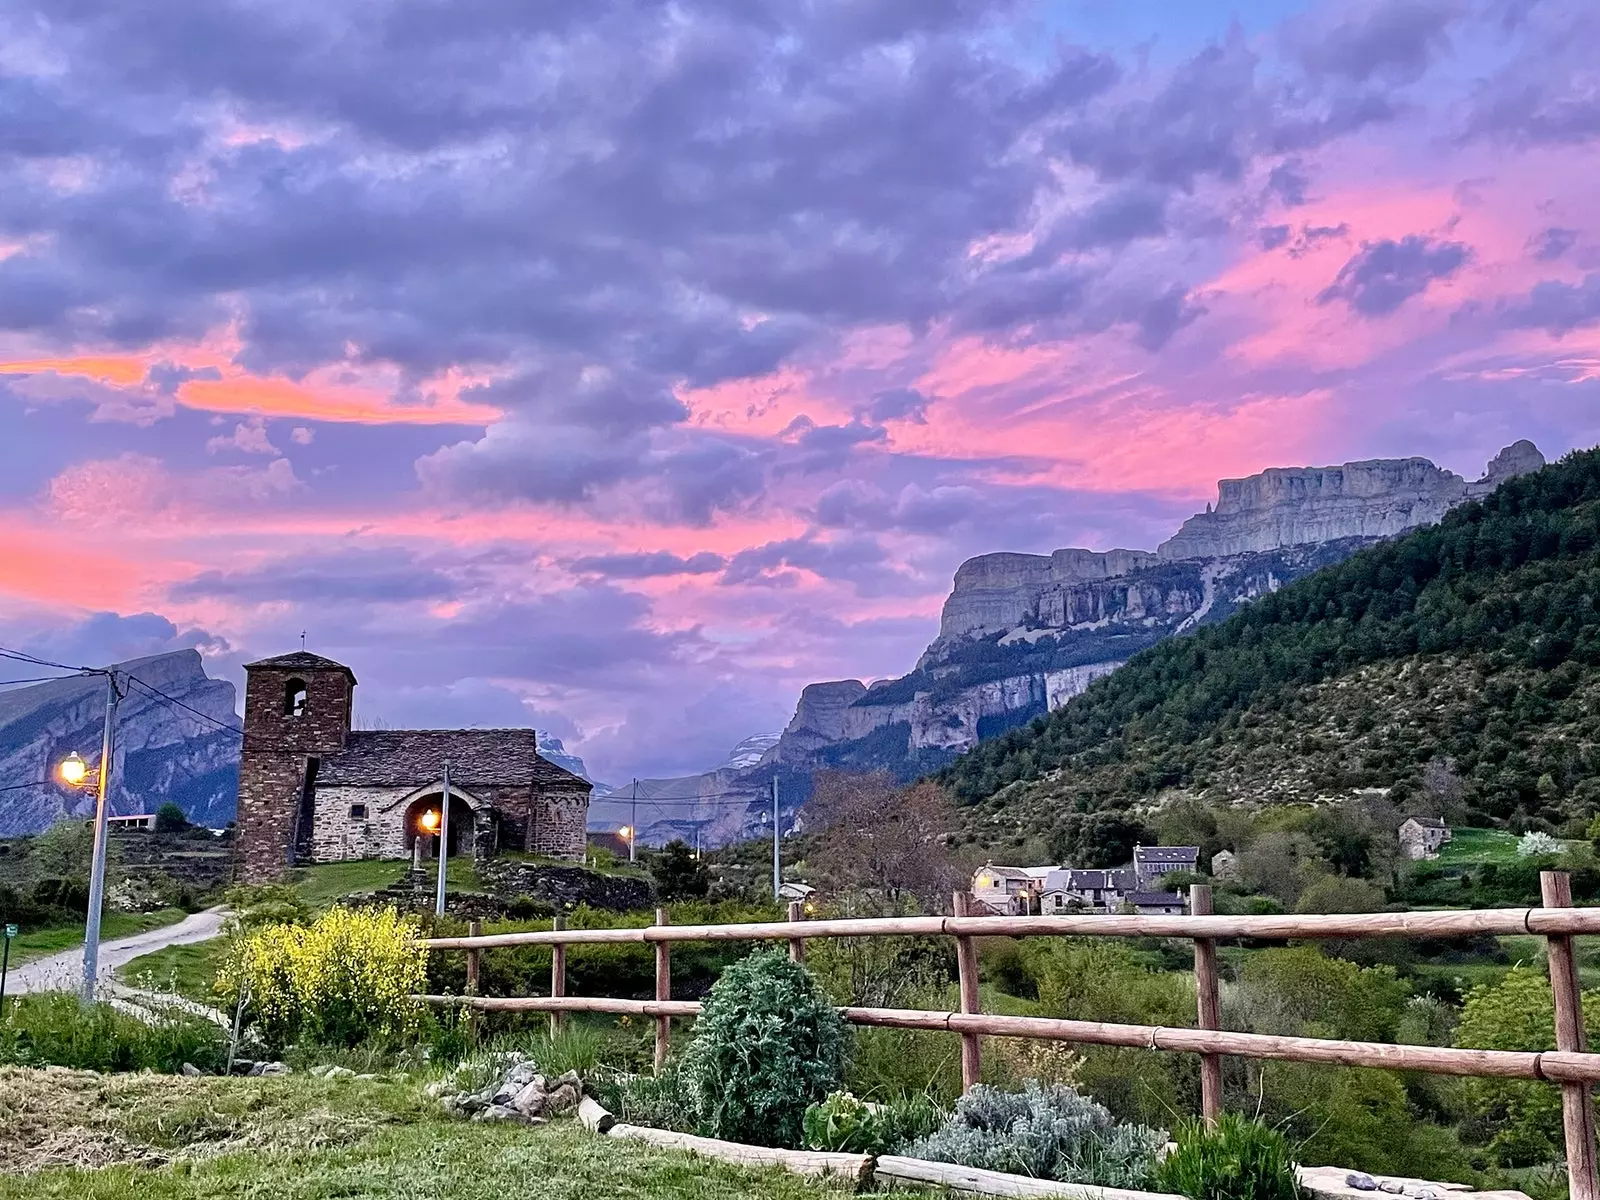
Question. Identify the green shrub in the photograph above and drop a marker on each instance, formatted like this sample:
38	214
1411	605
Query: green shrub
345	978
663	1100
1238	1160
843	1124
52	1029
768	1044
1048	1132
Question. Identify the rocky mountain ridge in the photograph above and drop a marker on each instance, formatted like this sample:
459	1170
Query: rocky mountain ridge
163	752
1021	634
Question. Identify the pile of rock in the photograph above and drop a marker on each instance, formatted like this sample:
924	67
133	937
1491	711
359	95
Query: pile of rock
516	1091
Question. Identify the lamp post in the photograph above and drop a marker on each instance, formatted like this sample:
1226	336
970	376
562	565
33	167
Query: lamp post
627	833
444	841
75	772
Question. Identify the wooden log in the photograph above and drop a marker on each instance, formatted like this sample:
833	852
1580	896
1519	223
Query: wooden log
967	974
1209	1005
855	1167
569	1004
1425	924
663	993
797	945
1577	1107
474	958
893	1168
593	1116
558	974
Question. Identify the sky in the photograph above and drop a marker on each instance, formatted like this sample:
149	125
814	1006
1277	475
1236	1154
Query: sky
621	366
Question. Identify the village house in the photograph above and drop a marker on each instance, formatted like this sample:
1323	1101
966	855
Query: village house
1421	837
1151	864
1224	865
314	790
1058	889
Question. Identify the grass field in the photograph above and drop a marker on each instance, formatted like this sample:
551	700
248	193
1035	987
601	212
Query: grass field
79	1136
324	885
187	970
38	943
1478	846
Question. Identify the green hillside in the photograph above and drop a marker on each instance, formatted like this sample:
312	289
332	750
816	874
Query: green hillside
1473	642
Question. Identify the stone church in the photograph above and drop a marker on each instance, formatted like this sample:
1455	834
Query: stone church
314	790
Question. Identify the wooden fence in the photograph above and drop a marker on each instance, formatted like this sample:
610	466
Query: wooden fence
1570	1066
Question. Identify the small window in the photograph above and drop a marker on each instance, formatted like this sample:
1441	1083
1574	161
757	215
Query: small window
294	698
358	812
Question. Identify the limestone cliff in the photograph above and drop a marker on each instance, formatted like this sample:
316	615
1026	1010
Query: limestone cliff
1292	506
162	752
1021	634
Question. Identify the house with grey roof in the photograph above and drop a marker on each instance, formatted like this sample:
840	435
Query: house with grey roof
1421	837
314	790
1151	863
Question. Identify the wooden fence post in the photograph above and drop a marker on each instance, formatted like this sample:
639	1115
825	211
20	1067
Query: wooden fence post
474	959
967	967
1577	1110
1209	1004
558	973
663	992
797	946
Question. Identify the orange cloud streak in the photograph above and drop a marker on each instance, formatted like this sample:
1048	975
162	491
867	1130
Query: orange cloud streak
283	398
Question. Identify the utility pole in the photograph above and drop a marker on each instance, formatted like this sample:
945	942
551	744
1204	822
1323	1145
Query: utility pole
777	854
97	869
444	840
633	827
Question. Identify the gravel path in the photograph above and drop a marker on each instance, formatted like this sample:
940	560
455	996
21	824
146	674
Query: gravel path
65	970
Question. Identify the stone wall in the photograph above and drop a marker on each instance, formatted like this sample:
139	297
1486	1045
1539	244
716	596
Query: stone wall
501	820
274	761
564	887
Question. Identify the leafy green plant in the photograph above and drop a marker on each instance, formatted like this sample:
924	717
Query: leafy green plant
663	1100
52	1029
1046	1131
844	1124
1240	1159
345	978
768	1044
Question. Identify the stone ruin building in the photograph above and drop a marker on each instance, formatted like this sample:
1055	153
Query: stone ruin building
314	790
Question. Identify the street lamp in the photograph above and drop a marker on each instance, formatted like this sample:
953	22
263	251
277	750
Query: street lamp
430	822
73	770
627	833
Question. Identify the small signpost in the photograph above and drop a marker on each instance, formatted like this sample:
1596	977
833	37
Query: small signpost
5	962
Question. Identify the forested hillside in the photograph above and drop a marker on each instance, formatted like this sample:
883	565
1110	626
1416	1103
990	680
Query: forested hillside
1472	644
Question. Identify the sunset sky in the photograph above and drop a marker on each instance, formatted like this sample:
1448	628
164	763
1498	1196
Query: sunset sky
621	367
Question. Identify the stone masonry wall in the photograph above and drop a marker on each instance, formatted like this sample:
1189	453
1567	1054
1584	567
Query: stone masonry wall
273	762
560	828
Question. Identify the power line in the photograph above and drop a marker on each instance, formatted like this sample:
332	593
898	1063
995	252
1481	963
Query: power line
24	656
204	716
38	679
12	787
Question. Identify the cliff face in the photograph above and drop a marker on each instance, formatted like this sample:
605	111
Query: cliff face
1299	505
1020	634
162	752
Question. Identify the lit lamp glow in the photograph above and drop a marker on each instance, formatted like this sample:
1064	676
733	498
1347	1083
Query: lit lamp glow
73	770
626	833
430	821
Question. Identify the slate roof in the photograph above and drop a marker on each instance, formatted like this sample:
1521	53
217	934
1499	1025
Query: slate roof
1427	822
1154	898
1166	855
301	660
478	757
1004	872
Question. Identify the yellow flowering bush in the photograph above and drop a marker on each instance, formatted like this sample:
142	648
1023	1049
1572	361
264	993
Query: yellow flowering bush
344	978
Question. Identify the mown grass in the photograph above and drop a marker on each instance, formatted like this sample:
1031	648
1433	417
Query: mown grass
187	970
1478	846
41	943
329	883
70	1136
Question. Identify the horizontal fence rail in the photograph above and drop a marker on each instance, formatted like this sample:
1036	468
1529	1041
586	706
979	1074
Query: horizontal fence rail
1313	926
1570	1066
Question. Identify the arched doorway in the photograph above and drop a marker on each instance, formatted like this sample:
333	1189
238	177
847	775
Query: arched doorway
423	819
